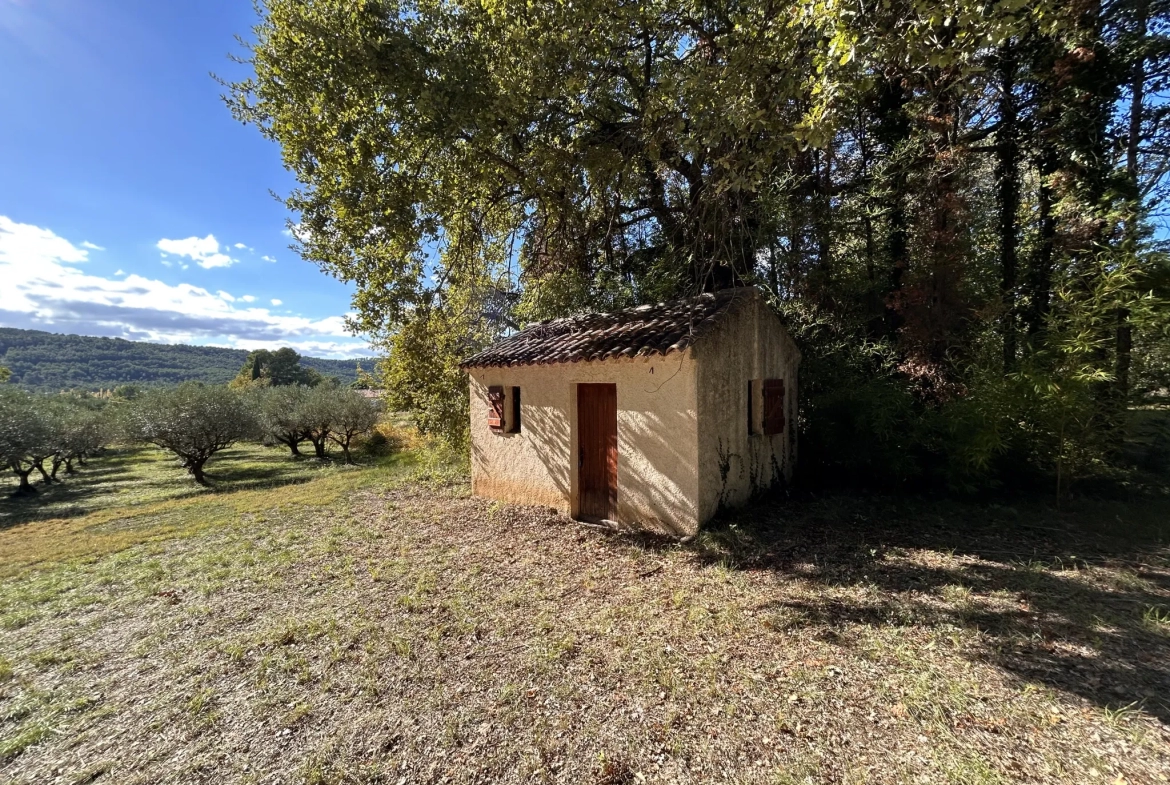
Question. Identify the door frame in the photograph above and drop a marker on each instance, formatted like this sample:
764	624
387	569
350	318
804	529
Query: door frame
576	447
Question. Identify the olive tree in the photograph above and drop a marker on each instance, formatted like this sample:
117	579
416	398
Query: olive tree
81	431
192	421
280	414
25	433
353	414
319	416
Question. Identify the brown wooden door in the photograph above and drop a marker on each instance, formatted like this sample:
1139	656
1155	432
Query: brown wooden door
597	449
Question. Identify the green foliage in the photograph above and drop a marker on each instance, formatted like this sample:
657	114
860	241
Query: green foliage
5	374
276	368
420	372
25	433
125	392
292	414
951	203
280	416
48	362
55	428
353	415
364	380
193	421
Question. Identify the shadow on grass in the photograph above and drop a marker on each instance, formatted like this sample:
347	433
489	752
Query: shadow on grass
143	475
66	498
1076	601
1060	600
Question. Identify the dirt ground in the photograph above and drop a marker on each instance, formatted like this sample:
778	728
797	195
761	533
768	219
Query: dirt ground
413	634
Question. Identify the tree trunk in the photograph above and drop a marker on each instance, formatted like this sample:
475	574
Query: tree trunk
292	443
195	468
1008	196
823	216
1124	334
40	467
69	466
891	130
57	462
319	446
25	488
1040	272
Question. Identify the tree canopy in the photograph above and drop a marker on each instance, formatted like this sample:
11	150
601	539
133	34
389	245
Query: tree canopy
951	203
193	421
278	368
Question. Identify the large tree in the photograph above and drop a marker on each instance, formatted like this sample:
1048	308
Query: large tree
280	413
354	415
950	202
277	368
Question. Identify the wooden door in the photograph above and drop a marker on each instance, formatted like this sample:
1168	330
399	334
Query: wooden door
597	450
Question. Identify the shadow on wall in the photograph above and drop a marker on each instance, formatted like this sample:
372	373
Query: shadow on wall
1055	601
657	483
546	429
666	457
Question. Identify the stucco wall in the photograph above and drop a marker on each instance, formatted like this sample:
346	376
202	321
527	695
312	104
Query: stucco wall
750	343
657	439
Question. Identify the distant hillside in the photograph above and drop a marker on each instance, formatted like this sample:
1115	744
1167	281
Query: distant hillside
49	362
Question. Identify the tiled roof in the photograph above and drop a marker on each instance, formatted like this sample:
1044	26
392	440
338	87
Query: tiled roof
634	332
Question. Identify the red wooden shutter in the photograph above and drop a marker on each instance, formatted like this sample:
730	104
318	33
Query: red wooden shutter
773	406
496	408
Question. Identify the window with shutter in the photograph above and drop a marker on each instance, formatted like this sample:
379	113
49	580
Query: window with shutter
496	408
773	406
514	423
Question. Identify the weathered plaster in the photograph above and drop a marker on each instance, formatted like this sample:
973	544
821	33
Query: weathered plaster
683	445
748	344
657	438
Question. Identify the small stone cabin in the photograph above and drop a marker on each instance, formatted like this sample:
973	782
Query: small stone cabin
653	417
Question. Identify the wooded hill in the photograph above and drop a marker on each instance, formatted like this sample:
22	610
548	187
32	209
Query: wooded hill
48	362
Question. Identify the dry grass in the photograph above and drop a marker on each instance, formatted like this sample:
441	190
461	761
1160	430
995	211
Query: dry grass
401	632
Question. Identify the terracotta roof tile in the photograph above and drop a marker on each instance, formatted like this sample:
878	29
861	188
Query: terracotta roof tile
634	332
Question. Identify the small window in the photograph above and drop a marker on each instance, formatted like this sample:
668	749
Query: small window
773	406
514	423
496	408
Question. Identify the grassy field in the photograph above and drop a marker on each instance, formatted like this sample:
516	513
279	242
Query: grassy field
307	623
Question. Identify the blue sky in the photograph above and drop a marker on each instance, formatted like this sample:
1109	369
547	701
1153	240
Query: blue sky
131	203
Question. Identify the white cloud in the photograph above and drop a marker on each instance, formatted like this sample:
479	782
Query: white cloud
204	251
92	246
248	298
43	291
267	258
278	302
296	232
240	246
221	294
33	245
120	272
